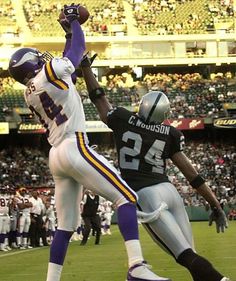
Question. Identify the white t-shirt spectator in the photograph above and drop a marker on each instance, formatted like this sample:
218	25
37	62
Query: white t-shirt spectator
38	206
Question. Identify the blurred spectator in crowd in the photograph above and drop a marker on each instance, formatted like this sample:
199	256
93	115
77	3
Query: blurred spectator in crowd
91	217
4	219
106	216
232	214
37	227
50	220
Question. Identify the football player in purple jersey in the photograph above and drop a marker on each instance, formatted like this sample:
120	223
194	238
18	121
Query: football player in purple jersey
143	145
52	96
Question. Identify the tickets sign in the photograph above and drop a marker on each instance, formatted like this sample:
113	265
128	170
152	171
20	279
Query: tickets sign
91	126
225	122
28	128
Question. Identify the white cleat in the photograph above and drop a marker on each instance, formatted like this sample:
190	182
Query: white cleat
225	279
4	250
142	272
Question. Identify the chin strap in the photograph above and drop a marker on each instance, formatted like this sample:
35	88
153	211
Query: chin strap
144	217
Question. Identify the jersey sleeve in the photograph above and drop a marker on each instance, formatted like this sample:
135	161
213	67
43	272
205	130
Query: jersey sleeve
59	68
115	115
177	141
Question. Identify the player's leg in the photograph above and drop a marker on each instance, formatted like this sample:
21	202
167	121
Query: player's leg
108	223
199	267
32	231
25	233
21	222
52	228
2	233
164	230
97	226
96	173
103	225
13	232
7	230
172	231
66	192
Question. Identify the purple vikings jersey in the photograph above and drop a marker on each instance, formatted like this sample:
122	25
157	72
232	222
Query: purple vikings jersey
142	148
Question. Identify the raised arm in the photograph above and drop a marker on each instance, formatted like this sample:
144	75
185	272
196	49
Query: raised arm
68	33
197	182
96	93
74	47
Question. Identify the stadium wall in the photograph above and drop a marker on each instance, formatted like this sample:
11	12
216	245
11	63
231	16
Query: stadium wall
194	213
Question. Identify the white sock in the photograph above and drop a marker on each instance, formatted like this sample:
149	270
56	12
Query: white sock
134	252
54	272
18	239
24	241
6	242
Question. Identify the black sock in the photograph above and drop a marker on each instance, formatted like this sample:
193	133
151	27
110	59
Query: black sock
200	268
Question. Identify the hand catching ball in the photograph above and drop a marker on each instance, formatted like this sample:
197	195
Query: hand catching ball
83	15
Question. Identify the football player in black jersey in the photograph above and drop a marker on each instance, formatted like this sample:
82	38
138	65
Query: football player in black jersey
144	144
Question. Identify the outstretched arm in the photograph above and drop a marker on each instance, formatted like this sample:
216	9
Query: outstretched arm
67	28
185	166
96	93
75	42
77	47
67	45
66	49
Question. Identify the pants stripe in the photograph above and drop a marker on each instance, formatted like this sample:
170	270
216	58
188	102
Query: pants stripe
104	170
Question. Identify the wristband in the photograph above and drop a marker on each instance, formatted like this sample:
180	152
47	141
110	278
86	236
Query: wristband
197	182
96	94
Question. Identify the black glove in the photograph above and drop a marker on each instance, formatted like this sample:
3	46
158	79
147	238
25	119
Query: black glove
218	215
71	12
85	62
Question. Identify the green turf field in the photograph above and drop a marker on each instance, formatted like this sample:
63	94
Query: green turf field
107	262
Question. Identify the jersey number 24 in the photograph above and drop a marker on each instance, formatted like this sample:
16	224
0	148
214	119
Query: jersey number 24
152	157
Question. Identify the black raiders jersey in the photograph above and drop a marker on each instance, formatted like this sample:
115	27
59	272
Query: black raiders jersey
142	148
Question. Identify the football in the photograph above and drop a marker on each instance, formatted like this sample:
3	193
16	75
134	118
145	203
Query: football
83	15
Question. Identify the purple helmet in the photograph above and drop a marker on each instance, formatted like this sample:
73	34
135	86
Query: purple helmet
25	64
